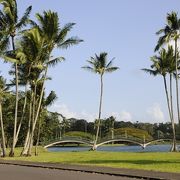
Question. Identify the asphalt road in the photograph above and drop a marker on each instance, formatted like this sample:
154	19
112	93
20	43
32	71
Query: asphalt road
13	172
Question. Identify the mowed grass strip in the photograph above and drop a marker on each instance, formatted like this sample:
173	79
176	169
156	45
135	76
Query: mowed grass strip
166	162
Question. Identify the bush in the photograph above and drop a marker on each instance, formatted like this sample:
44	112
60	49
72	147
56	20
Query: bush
137	133
83	135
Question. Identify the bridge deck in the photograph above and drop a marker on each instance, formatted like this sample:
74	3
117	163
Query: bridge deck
88	142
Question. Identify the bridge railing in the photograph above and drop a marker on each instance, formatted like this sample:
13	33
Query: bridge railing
66	138
131	138
100	140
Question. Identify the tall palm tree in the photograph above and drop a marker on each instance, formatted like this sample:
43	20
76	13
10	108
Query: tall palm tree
48	101
161	66
9	19
32	68
3	93
54	37
100	66
112	120
171	32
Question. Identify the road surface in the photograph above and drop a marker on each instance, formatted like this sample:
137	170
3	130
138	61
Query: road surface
13	172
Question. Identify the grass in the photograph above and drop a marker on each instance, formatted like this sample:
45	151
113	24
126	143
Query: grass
166	162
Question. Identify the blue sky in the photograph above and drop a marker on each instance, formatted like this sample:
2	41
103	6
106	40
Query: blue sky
126	30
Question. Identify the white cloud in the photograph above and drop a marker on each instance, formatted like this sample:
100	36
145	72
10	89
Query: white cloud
122	116
65	111
90	117
155	113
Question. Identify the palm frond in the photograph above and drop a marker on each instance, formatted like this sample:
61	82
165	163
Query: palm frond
69	42
63	32
110	63
160	32
150	71
160	42
23	21
89	69
50	99
4	43
9	59
111	69
53	62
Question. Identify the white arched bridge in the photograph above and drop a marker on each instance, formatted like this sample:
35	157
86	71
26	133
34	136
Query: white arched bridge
120	139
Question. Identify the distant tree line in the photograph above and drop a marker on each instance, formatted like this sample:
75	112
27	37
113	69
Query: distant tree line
55	129
29	45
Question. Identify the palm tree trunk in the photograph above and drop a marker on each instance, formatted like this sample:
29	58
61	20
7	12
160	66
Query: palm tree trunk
23	112
177	84
34	104
11	154
173	148
38	137
112	131
26	143
171	97
37	114
31	134
99	116
2	133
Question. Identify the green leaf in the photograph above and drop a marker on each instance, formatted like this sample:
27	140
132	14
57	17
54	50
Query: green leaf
53	62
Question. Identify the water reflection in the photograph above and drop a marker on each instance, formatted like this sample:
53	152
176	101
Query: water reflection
151	148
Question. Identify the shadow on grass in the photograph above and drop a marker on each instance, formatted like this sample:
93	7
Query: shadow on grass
139	162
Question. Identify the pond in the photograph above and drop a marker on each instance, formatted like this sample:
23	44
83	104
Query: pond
124	148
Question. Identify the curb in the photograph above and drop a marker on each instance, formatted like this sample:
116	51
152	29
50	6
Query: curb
147	175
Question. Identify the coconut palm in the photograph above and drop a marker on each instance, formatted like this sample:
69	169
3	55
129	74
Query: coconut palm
48	101
30	66
100	66
161	66
111	121
9	19
3	93
171	33
30	71
54	37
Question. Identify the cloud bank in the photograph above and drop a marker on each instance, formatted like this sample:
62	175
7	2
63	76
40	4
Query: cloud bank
153	114
65	111
156	113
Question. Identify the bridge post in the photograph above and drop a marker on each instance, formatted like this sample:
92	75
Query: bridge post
126	134
94	147
143	145
144	139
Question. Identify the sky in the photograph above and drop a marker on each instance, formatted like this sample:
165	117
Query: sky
125	29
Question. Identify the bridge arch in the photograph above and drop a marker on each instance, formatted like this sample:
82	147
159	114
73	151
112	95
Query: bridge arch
68	141
157	140
120	140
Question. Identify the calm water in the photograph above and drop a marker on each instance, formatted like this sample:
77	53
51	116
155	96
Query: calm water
151	148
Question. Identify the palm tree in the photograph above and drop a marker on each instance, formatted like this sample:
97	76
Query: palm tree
111	120
100	66
9	19
161	66
48	101
3	93
171	32
30	67
53	36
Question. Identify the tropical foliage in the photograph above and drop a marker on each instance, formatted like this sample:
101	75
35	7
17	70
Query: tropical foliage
29	45
167	63
31	55
100	65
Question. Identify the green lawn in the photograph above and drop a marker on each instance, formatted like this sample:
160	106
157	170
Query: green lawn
169	162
